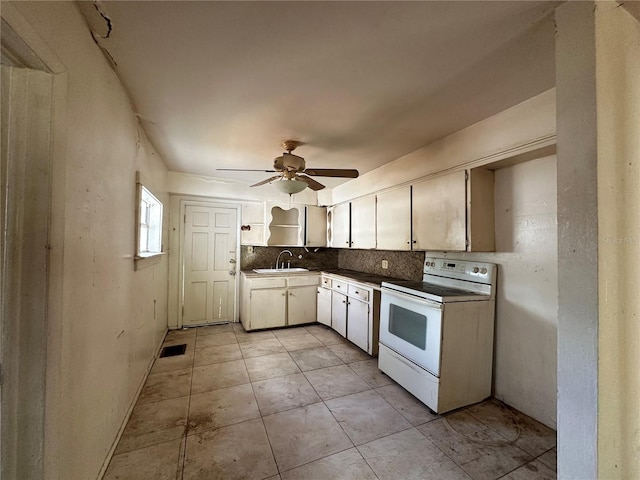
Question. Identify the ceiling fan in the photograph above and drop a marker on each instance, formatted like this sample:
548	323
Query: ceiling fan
294	176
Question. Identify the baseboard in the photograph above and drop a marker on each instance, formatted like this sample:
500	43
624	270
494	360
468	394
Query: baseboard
114	445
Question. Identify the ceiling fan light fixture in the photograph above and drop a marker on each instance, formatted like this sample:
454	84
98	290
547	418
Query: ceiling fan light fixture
290	186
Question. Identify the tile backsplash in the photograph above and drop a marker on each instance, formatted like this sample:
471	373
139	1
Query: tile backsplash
407	265
265	257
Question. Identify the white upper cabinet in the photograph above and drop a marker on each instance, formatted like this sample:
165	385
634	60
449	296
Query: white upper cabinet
315	226
339	222
450	212
480	210
363	222
394	219
252	223
439	213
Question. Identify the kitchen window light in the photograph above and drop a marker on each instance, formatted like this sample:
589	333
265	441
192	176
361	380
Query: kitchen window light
148	223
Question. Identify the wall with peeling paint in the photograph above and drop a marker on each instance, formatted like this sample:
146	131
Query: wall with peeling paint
107	320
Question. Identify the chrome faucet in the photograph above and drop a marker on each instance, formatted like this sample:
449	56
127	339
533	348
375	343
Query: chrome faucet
278	259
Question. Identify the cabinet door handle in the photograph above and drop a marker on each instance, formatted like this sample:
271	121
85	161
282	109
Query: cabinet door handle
344	301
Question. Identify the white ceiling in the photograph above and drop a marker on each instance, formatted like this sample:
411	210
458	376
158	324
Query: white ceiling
221	84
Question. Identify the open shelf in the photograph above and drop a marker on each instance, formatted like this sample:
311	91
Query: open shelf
285	228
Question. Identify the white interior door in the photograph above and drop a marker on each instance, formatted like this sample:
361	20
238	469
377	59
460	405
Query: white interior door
210	244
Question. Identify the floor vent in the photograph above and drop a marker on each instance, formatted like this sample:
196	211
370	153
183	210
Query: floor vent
173	350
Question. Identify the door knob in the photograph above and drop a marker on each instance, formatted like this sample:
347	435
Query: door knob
232	272
232	260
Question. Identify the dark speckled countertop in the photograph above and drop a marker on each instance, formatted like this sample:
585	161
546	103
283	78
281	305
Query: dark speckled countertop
360	277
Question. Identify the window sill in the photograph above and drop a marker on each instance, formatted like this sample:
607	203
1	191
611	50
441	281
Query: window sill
146	260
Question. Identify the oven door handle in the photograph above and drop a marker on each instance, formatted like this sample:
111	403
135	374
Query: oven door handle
411	298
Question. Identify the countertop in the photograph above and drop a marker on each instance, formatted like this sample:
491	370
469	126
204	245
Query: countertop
360	277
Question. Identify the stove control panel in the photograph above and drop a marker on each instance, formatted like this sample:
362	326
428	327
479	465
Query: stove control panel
460	269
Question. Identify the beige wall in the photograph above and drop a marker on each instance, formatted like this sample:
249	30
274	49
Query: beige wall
618	109
106	320
527	294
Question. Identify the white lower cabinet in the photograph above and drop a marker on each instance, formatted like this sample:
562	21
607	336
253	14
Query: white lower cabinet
355	311
358	323
301	305
324	306
272	305
339	313
277	301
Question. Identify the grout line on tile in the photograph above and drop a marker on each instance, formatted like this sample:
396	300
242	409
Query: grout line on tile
554	468
322	458
273	454
182	455
187	427
443	452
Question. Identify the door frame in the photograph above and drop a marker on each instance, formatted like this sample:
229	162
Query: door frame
178	206
28	50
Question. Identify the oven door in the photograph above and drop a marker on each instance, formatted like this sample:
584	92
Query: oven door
412	327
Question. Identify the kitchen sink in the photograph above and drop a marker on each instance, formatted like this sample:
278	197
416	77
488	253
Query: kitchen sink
280	270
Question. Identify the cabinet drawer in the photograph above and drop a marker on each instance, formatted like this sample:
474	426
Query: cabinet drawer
358	292
268	282
326	282
339	286
303	280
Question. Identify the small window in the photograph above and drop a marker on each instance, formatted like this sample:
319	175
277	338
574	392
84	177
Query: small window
148	223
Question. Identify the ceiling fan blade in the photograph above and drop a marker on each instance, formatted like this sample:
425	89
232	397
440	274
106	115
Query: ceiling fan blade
332	172
268	180
243	170
313	185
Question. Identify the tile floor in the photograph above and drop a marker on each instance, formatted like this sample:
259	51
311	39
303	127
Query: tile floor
302	403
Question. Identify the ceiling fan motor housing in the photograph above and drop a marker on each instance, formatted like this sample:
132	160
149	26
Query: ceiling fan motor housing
289	161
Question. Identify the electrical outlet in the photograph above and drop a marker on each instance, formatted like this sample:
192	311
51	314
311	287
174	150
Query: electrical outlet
385	264
250	249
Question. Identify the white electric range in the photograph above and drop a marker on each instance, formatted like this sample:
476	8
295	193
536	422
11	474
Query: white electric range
436	336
